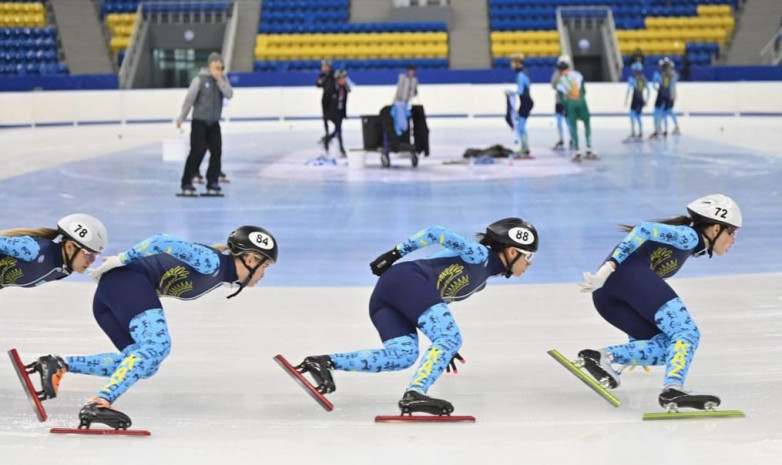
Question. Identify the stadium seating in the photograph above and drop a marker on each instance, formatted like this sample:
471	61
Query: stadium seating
695	28
296	35
27	47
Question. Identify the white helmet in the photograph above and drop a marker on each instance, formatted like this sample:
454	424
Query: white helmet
715	208
85	230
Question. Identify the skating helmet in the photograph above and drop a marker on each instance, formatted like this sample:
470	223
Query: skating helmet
325	62
563	62
513	232
664	63
715	208
637	67
253	239
517	58
85	230
340	73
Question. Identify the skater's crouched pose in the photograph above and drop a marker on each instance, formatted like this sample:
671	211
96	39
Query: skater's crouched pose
414	295
31	257
128	309
629	291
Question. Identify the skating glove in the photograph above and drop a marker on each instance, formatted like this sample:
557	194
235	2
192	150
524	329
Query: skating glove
109	263
596	281
384	262
452	364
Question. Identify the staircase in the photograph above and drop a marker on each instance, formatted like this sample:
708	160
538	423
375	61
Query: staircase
759	20
468	35
81	36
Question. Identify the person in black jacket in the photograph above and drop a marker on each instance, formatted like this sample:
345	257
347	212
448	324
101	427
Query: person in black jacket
337	109
327	82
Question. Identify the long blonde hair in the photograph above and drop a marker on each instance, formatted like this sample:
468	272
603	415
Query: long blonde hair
220	247
43	233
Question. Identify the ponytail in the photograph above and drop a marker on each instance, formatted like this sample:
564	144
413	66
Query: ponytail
220	247
681	220
43	233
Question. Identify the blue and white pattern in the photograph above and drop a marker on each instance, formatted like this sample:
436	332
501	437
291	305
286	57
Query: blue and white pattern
399	353
200	257
469	251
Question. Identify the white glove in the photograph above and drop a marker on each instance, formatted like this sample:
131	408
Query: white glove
596	281
109	263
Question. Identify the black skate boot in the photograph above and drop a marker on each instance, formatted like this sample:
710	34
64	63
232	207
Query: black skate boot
576	158
672	399
598	364
414	401
101	412
655	135
324	142
51	368
590	155
320	367
188	191
214	190
559	146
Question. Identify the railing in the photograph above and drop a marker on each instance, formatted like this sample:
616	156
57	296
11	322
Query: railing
181	11
128	63
407	3
229	39
771	53
611	43
564	35
593	17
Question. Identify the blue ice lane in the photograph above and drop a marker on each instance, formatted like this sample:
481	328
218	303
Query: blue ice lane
329	232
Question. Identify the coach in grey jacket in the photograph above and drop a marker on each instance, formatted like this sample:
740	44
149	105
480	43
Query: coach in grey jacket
205	96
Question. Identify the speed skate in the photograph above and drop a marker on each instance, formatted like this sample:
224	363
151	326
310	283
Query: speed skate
304	383
23	371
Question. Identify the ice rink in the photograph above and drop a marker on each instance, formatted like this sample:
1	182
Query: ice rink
219	397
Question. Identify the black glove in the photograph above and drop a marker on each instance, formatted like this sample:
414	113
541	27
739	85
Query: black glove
452	364
384	262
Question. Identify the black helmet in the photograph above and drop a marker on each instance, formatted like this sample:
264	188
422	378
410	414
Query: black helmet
513	232
253	239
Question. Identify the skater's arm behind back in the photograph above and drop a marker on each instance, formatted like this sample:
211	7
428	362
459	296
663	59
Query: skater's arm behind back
202	258
469	251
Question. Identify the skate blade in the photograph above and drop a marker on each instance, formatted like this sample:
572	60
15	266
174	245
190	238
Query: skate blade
303	382
195	196
211	195
424	418
697	414
101	431
588	380
29	389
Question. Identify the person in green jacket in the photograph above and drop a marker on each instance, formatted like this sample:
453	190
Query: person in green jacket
573	92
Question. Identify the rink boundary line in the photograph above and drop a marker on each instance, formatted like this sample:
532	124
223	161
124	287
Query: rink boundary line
697	114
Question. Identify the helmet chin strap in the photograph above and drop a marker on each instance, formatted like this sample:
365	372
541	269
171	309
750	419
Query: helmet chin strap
710	242
509	266
69	258
250	272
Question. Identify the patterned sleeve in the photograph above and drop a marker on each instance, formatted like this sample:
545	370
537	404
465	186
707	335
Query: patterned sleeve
202	258
469	251
24	248
681	237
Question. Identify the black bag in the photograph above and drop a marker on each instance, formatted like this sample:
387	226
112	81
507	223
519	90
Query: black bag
372	132
420	130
